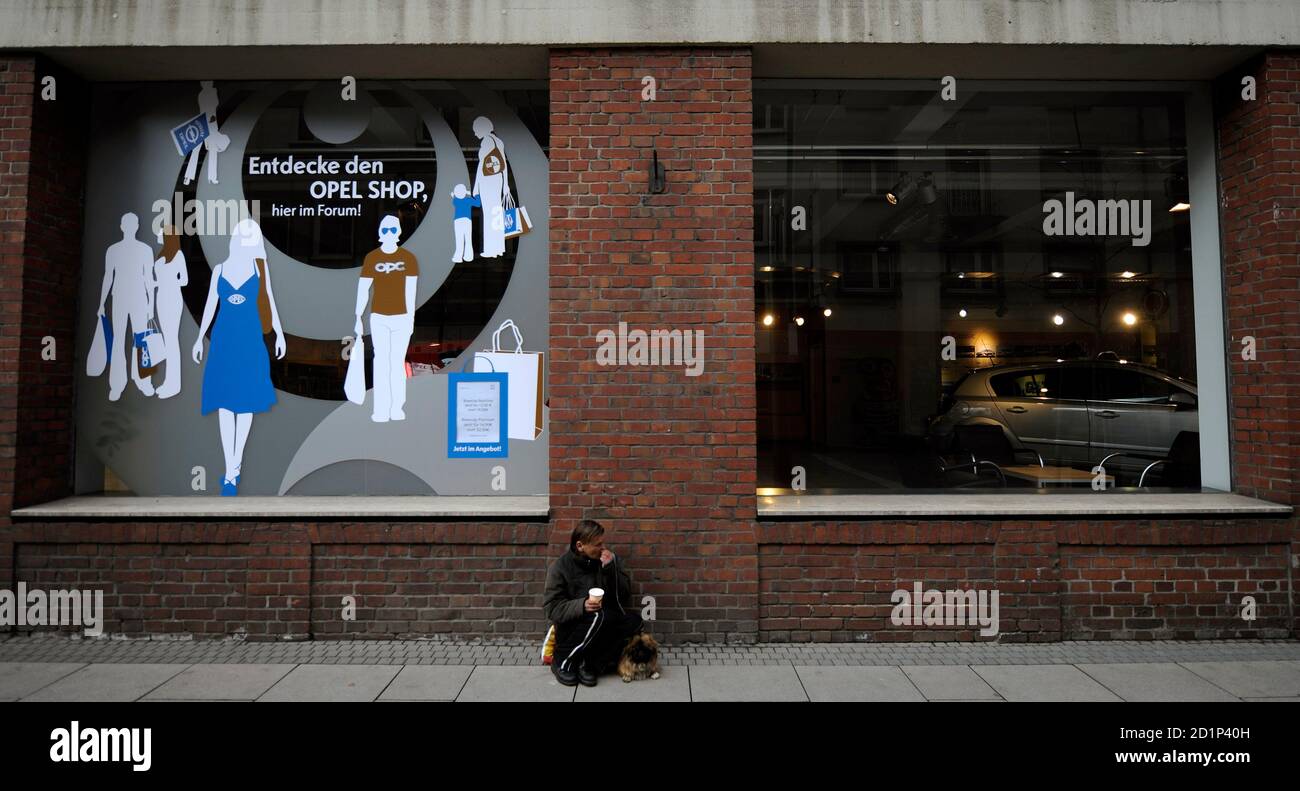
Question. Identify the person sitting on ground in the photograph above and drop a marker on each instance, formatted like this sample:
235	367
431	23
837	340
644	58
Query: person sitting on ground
589	633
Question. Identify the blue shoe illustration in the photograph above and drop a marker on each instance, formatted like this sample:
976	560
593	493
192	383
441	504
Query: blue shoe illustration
229	489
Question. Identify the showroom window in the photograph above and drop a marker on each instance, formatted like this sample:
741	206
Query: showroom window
237	236
992	291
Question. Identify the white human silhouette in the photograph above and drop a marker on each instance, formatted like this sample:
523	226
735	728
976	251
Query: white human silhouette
171	275
128	278
215	142
237	376
463	223
492	186
392	272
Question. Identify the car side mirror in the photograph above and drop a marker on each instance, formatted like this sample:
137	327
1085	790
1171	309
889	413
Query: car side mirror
1182	400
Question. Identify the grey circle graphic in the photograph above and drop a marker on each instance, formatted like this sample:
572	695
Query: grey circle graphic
332	118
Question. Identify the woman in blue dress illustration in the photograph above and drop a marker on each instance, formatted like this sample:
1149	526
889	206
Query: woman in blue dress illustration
237	379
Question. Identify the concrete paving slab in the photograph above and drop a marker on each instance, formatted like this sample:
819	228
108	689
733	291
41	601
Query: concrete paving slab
108	682
867	683
774	683
532	683
1043	683
949	682
672	686
1275	679
19	679
332	683
428	682
1157	681
221	682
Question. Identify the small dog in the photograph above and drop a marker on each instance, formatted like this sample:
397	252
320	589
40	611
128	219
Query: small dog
640	659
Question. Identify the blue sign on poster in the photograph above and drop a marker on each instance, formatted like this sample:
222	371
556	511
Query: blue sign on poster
191	134
476	416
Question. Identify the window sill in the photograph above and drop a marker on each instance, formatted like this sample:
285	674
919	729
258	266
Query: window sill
375	507
1015	505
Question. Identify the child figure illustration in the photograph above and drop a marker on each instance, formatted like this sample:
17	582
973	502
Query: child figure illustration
463	202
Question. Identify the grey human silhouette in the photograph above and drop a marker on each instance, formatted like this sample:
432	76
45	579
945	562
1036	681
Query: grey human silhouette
128	278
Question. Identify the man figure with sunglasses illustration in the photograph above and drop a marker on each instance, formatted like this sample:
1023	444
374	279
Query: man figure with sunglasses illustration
393	272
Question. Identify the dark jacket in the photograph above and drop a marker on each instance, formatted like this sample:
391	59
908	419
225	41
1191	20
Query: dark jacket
572	575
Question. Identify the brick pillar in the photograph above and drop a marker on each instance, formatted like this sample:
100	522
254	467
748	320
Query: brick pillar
666	459
1260	195
42	155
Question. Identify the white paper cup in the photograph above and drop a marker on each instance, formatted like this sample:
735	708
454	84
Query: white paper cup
597	594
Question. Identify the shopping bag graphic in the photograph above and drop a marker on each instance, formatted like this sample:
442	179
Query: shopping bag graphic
516	222
354	383
97	359
526	381
151	347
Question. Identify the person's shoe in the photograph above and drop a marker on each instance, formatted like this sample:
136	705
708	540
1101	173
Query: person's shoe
228	489
585	676
397	414
566	677
379	418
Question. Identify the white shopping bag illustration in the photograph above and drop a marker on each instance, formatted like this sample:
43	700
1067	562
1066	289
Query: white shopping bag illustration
354	382
97	358
525	381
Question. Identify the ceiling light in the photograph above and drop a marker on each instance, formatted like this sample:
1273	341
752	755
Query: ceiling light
962	313
1127	275
1058	319
1058	274
1130	319
798	320
1179	207
768	319
827	313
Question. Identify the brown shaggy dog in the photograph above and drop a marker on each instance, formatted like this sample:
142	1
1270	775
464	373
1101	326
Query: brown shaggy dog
640	659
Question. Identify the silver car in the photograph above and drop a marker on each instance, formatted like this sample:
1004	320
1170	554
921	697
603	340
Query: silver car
1076	413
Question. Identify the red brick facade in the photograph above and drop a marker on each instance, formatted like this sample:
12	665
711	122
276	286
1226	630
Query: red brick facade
667	459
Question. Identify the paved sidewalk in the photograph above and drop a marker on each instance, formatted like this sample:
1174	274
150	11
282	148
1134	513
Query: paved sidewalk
51	667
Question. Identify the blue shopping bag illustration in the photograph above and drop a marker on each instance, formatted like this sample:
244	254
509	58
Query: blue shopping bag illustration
191	134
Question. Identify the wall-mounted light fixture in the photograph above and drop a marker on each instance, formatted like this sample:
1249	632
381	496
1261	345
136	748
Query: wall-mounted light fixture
658	177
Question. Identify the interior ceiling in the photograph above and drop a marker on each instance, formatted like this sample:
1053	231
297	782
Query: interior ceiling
770	60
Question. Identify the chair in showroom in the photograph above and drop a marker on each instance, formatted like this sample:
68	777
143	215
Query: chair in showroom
919	467
1179	469
990	444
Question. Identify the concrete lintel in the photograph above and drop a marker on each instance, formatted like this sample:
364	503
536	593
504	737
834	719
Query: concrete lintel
146	23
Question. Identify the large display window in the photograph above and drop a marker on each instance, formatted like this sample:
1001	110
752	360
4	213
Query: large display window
315	288
984	288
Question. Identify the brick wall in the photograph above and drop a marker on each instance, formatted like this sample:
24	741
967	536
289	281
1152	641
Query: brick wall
1144	579
1259	156
42	150
672	457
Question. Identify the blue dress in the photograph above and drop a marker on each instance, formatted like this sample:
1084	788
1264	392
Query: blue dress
238	373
